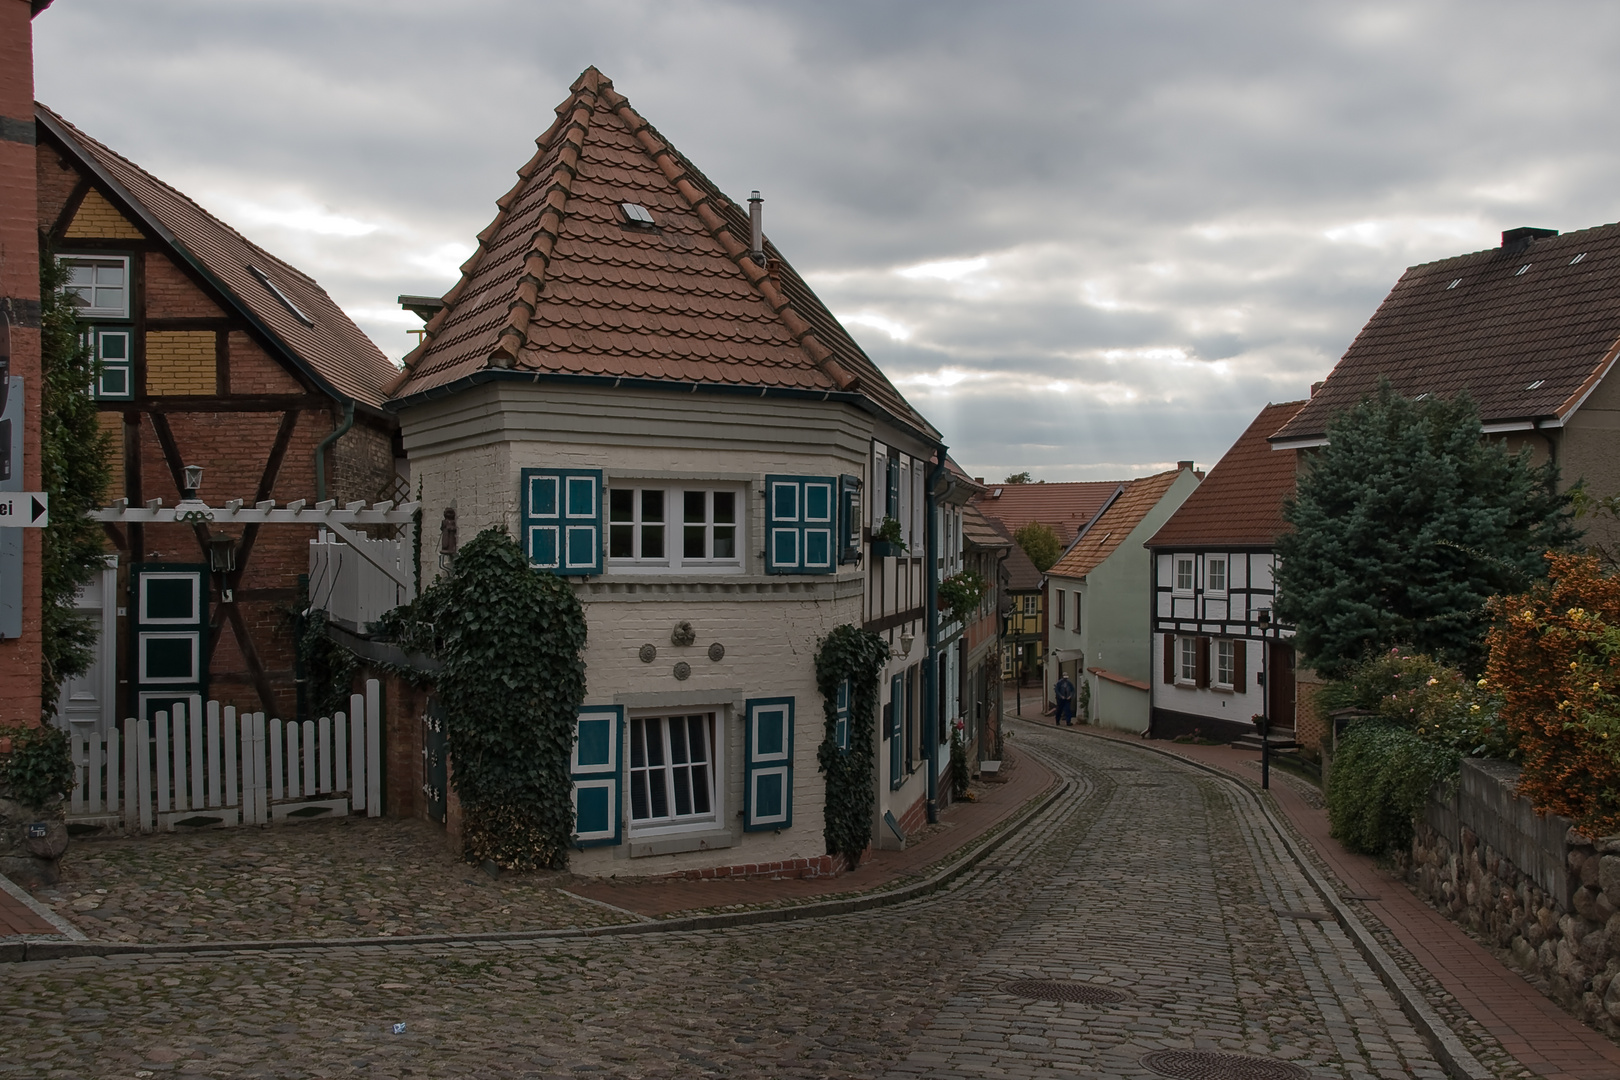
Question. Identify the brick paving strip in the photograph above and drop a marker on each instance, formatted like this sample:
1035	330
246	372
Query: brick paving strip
23	916
934	864
1538	1034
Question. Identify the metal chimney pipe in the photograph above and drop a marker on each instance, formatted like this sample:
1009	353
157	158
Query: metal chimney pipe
756	222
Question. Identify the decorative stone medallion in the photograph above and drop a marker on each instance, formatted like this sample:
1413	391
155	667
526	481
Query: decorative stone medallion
717	652
1207	1065
683	671
649	653
683	634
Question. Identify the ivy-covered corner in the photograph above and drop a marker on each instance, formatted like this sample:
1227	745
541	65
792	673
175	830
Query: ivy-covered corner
849	664
509	639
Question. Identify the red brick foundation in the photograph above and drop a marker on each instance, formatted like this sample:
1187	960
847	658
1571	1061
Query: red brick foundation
818	867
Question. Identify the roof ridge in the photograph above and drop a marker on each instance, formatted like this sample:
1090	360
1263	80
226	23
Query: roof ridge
81	134
680	173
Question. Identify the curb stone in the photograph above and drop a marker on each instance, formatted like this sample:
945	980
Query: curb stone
1453	1055
37	950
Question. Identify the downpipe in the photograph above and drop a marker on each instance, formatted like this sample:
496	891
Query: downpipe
931	622
320	451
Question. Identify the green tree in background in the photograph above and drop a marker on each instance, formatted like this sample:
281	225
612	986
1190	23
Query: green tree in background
1019	478
1404	524
1040	543
73	459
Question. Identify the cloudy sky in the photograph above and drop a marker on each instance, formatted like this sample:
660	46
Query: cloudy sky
1086	239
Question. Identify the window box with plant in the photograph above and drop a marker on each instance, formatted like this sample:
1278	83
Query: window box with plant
887	541
962	593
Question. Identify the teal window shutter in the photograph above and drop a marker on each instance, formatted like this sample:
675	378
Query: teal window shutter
597	773
562	519
768	776
897	705
111	346
801	523
841	710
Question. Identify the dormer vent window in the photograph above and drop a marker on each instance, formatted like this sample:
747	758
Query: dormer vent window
1577	258
297	312
636	214
1521	270
1455	283
1422	397
1537	385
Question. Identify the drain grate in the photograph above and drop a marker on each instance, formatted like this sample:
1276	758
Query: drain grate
1204	1065
1054	990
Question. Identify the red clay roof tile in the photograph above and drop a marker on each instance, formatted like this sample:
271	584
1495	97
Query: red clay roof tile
1111	528
679	302
1240	502
1066	507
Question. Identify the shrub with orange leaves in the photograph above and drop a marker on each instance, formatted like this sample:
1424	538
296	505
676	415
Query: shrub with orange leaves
1555	662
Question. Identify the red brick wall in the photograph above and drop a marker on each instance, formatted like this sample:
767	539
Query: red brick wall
171	294
19	280
403	706
56	180
361	464
254	372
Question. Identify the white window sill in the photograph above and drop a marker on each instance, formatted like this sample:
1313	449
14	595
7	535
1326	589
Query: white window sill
711	840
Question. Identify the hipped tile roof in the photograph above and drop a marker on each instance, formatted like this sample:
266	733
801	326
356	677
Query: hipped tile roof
980	532
1105	535
331	349
1526	331
1066	508
1240	502
563	283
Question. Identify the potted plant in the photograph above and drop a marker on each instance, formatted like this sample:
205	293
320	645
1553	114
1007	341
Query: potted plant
962	593
886	541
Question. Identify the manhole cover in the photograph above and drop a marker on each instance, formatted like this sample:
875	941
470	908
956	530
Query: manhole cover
1052	990
1204	1065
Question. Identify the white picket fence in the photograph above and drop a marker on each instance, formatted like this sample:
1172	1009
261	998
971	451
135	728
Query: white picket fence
219	767
358	582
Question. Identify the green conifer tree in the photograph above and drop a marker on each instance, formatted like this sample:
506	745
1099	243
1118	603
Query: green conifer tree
1404	524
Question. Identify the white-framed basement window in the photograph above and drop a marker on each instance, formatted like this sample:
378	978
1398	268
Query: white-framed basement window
675	527
100	285
1225	663
673	761
1215	574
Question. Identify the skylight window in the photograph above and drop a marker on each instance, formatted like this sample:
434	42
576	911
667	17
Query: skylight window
1421	396
1521	269
1536	385
298	313
1577	258
636	214
1455	283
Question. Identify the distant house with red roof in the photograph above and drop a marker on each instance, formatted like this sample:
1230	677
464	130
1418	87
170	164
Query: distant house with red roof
214	353
1098	595
1215	646
632	379
1530	330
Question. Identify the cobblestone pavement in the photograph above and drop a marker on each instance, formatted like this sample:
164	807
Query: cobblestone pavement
353	877
1144	876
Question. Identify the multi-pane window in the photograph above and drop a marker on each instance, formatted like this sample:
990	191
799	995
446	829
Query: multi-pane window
1225	662
1077	627
1215	573
1184	573
674	527
1187	659
1030	605
99	285
671	769
1060	607
708	525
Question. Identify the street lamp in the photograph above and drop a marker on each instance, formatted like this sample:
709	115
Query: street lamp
193	481
1263	617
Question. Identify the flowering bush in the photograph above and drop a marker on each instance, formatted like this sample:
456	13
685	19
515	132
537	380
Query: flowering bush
1555	661
1436	702
1382	775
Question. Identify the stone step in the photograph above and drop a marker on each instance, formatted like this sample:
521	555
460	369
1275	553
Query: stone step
1281	741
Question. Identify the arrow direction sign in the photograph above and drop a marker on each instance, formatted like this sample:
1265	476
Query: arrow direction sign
24	510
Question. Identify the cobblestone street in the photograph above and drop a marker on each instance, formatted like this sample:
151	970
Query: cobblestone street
1144	877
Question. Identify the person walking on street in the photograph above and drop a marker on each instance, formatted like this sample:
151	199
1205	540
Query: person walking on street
1065	701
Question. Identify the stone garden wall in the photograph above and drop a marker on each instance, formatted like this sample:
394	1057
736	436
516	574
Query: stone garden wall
1529	884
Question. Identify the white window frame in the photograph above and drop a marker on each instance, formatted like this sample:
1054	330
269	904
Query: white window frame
196	599
95	336
1060	608
1176	563
719	773
1224	675
1210	563
1186	661
1031	605
89	310
674	525
193	639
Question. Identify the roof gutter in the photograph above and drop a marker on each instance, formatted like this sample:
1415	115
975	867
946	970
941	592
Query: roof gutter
489	375
133	206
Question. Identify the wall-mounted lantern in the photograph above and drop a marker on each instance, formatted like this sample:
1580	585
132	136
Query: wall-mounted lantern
193	481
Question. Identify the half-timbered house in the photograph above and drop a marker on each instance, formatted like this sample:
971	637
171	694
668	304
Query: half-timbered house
215	354
631	379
